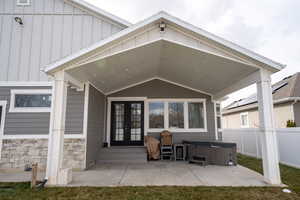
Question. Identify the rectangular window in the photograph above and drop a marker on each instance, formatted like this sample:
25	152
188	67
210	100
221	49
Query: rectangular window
23	2
181	115
196	115
244	120
176	115
218	115
30	101
156	115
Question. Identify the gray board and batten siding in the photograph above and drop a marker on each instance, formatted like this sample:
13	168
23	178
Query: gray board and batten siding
51	30
38	123
161	89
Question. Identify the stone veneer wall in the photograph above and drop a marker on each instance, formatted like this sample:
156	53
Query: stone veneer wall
16	153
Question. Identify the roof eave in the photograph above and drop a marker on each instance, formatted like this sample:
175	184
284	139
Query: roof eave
244	107
99	11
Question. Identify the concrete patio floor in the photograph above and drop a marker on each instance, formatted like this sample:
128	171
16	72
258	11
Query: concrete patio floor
155	173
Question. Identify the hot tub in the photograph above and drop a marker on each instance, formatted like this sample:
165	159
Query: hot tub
211	152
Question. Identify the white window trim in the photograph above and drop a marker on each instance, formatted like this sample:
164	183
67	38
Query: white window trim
13	93
3	105
166	115
247	119
217	130
19	3
220	115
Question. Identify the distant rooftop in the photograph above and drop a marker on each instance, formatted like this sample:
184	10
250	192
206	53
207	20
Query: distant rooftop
287	87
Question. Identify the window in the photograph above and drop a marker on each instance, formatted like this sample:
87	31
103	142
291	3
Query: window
30	101
244	120
178	115
218	116
176	118
23	2
156	115
196	118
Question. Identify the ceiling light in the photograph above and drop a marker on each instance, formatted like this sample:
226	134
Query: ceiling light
162	26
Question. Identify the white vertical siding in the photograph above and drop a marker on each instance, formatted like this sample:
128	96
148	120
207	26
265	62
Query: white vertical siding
52	30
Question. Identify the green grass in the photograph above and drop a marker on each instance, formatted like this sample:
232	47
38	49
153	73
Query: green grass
291	177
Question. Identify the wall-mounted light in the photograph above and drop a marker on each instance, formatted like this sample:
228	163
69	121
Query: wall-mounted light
162	26
19	20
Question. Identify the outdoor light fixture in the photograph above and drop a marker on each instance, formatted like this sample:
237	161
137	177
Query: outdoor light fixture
162	26
19	20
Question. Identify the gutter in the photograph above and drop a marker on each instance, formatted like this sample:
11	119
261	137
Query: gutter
242	108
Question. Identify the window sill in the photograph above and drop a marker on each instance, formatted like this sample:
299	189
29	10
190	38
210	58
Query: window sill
30	110
178	130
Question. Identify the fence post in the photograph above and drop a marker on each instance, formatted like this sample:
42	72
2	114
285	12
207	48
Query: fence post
256	143
242	143
34	175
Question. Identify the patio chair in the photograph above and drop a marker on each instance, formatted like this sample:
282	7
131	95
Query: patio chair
166	145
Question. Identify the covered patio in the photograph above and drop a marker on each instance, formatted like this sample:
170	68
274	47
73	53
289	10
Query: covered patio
165	48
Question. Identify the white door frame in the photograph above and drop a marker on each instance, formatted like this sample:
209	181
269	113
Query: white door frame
3	114
108	121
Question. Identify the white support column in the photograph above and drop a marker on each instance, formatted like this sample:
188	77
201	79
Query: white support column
267	129
57	129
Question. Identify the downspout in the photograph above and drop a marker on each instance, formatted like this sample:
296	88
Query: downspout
295	101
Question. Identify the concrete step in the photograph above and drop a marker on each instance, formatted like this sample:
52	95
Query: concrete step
125	149
123	155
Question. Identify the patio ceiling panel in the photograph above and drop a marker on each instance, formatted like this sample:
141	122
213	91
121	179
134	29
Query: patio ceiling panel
198	69
120	70
164	59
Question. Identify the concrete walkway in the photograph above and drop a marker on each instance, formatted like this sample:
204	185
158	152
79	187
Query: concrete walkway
154	173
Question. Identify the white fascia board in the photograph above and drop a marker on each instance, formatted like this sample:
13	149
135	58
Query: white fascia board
157	78
100	11
24	83
160	16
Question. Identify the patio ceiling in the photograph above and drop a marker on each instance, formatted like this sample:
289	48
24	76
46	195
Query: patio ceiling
166	60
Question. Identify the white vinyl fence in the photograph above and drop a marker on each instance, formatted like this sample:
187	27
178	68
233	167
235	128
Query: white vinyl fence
248	143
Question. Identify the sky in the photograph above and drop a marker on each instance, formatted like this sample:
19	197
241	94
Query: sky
268	27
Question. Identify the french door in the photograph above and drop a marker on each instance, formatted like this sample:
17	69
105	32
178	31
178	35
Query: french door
127	123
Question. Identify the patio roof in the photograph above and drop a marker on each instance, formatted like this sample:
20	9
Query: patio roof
182	53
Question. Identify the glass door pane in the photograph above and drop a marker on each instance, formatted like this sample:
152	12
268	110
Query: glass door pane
136	121
119	114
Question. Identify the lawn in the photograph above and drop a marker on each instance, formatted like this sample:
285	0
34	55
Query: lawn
291	177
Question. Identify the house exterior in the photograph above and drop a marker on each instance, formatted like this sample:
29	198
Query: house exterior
76	79
286	96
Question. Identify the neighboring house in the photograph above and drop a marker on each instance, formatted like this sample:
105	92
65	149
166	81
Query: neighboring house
91	80
286	95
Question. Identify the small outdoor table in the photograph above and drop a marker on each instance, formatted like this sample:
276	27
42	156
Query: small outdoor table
177	148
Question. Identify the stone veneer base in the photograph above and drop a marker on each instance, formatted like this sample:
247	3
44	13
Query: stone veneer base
16	153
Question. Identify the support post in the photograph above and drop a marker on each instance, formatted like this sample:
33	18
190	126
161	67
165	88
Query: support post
57	129
267	129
